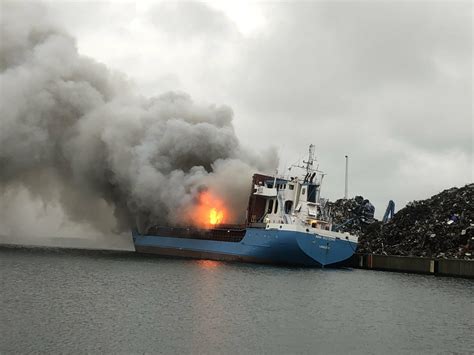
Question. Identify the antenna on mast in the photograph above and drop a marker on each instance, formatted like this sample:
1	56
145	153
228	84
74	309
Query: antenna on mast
309	163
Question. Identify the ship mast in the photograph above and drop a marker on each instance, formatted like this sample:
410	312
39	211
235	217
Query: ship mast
309	163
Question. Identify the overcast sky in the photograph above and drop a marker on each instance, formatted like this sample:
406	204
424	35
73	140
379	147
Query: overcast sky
387	82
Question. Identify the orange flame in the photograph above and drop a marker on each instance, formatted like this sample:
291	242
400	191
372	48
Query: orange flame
209	212
215	217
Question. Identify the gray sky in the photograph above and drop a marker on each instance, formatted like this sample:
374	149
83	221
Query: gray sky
387	82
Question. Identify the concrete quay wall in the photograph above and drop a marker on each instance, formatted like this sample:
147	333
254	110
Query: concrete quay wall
419	265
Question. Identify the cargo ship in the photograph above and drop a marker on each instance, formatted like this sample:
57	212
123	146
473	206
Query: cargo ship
287	223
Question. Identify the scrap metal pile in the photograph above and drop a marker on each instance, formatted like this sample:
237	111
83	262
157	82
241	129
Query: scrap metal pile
440	227
352	215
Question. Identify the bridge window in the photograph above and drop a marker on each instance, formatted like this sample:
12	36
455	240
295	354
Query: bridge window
270	206
276	206
311	193
288	205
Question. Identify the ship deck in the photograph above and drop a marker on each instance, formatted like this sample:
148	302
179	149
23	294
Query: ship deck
225	233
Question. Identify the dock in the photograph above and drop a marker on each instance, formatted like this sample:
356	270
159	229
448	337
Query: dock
419	265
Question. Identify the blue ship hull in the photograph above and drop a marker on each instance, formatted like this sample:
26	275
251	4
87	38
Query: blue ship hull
258	245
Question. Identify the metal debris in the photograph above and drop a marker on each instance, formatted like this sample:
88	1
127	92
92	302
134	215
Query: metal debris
439	227
352	215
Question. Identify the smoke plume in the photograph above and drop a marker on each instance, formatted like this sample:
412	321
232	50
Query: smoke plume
73	132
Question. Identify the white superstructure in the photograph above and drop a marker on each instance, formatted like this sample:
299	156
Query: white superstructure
294	203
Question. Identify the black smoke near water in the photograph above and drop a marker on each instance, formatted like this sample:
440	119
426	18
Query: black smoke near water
72	132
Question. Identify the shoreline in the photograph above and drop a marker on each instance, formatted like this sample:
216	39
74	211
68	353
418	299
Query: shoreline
414	264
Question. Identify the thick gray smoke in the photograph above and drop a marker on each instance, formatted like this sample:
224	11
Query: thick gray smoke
71	131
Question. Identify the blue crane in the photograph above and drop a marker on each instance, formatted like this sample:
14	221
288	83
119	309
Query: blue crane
389	212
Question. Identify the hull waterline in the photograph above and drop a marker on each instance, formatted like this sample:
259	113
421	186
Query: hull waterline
257	246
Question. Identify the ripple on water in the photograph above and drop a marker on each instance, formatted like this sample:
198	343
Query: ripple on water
98	302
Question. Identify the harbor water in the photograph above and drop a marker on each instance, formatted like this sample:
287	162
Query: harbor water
66	301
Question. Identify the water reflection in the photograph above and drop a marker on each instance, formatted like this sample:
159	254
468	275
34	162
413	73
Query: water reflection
208	264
